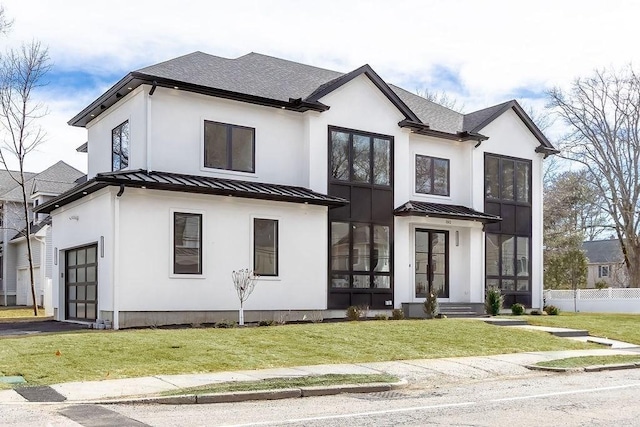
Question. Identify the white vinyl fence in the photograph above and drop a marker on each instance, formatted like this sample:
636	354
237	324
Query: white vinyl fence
610	300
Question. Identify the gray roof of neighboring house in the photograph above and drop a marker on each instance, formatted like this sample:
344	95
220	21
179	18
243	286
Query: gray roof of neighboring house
57	179
7	182
603	251
278	82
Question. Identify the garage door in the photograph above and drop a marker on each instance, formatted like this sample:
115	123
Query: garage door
82	283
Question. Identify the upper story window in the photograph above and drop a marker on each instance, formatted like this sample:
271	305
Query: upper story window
120	147
507	179
603	271
432	175
187	243
360	158
229	147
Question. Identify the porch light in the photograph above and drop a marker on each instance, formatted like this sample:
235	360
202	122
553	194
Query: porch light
457	238
101	246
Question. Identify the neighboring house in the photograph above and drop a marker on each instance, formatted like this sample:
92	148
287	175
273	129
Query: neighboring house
605	263
337	189
15	284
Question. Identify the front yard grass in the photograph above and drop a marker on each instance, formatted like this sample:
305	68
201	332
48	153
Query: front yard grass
621	327
582	362
11	313
95	355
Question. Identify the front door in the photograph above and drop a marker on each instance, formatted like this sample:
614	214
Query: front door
432	263
82	283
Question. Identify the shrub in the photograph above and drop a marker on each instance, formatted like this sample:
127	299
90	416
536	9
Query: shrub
601	284
225	324
381	316
266	323
431	305
397	314
517	309
493	301
552	310
354	312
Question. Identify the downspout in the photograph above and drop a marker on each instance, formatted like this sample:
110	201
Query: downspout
148	125
116	254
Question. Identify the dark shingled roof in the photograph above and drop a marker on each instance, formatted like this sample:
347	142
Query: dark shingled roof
603	251
440	210
193	184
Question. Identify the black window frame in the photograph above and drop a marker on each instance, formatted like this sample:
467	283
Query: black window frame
200	271
229	146
276	237
118	153
432	175
508	208
601	271
372	137
371	204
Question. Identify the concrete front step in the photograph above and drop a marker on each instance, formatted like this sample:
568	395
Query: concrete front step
415	310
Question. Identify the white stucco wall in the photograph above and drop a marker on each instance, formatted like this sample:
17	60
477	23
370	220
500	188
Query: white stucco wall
94	219
132	108
145	277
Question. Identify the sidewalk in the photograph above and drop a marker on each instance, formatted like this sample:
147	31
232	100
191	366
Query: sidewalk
437	371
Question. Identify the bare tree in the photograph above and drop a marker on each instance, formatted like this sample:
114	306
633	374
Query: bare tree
603	113
244	281
21	73
441	98
5	23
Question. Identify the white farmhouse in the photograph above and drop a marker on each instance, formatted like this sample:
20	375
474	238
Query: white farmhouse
337	189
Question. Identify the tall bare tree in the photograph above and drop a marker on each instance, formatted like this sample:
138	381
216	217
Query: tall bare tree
22	72
441	98
603	114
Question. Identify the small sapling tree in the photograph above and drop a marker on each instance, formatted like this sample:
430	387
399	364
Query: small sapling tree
245	282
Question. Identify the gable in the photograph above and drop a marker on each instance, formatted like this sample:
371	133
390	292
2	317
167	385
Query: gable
477	121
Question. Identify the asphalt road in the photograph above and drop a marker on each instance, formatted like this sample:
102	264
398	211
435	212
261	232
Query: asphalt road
575	399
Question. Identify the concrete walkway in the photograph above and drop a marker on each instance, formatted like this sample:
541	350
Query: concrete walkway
437	371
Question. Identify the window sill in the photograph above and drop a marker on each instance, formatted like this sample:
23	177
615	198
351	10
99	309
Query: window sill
187	276
252	175
269	279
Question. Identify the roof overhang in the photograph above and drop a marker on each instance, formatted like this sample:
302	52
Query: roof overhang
135	79
440	210
192	184
424	129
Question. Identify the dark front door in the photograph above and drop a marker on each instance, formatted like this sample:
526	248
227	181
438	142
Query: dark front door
432	263
82	283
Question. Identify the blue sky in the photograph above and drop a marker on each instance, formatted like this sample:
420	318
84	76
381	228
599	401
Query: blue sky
480	52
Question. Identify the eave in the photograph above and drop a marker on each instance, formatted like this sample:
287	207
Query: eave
424	129
135	79
192	184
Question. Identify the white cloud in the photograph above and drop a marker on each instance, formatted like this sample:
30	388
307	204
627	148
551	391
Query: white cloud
495	47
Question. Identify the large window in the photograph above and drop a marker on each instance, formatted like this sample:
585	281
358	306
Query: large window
265	247
508	243
187	243
360	158
120	147
432	175
360	256
229	147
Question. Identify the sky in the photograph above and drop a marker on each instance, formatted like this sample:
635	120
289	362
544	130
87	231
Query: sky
480	52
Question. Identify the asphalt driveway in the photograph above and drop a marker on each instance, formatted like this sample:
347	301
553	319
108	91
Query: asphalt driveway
37	327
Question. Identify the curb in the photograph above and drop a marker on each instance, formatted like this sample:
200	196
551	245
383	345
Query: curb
244	396
594	368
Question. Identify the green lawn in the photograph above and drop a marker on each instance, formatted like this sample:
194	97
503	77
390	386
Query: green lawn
93	355
623	327
581	362
11	313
